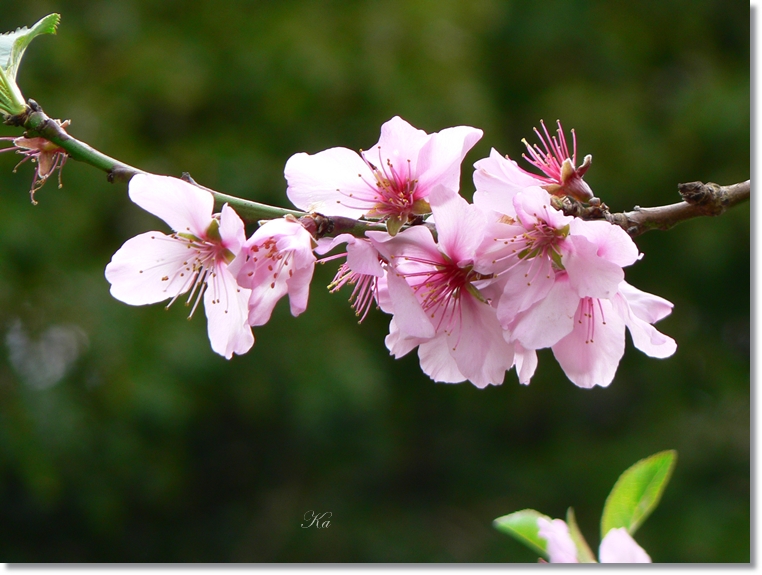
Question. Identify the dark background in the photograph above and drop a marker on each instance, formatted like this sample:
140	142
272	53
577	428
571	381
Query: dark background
123	437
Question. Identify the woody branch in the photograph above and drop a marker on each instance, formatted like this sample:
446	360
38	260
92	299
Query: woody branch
699	199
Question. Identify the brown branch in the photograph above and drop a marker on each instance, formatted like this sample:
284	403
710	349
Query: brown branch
699	199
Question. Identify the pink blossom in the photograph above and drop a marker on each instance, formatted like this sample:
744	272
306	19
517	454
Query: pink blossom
153	266
47	155
392	181
562	176
560	546
276	260
363	269
497	180
439	302
586	334
526	248
617	546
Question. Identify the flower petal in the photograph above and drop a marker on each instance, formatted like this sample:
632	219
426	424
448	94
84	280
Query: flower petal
149	268
589	274
225	304
232	230
619	547
436	361
327	181
497	180
590	354
400	144
478	347
550	319
526	363
561	548
440	158
645	337
185	207
460	225
612	242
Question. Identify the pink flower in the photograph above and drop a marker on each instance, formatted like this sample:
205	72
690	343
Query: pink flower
497	180
392	181
362	269
533	241
617	546
194	259
276	260
47	155
587	334
439	302
562	177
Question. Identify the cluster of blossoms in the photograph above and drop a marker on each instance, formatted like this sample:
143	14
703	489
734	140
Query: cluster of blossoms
477	287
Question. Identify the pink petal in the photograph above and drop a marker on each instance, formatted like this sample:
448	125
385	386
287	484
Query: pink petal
437	362
325	182
299	288
590	355
561	548
415	243
362	258
325	245
646	306
398	343
400	143
440	158
185	207
232	230
612	242
619	547
589	274
526	363
478	347
497	180
137	270
534	204
645	337
527	283
408	313
225	303
550	319
460	225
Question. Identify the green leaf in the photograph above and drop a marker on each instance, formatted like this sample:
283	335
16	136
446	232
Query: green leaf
13	44
522	526
584	554
637	492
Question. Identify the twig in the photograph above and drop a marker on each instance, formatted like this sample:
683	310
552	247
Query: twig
699	199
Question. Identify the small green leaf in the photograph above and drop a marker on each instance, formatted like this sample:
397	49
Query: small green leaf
637	492
13	44
394	224
584	554
522	526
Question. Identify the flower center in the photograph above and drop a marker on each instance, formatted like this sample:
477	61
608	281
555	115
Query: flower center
441	288
276	261
392	188
198	269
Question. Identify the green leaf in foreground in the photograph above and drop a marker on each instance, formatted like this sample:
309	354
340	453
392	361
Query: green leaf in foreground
584	554
522	526
637	492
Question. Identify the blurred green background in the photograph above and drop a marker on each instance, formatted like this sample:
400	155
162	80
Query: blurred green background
123	437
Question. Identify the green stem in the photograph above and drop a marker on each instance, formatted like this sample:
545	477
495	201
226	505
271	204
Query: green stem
38	124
